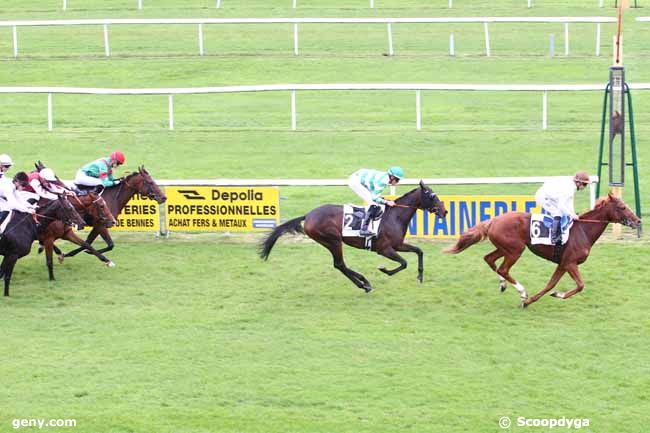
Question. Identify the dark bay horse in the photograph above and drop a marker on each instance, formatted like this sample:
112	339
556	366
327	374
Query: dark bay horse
93	208
116	198
324	225
22	231
510	234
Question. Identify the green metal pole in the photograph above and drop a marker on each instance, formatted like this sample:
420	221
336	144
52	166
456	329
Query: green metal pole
602	142
635	169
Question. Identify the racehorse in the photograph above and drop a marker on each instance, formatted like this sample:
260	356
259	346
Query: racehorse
22	230
94	208
324	225
116	197
510	235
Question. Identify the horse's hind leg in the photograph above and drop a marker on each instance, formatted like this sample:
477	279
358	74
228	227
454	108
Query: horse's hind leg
504	272
413	249
336	248
491	259
572	269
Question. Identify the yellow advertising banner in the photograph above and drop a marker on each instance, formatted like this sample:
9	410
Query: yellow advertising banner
466	211
209	208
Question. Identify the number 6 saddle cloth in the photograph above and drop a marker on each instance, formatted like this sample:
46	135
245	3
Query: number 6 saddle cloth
540	229
353	217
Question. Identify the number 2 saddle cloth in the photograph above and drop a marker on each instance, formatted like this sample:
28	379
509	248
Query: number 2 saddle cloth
352	218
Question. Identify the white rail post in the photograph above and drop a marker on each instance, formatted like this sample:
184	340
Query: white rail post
601	3
14	33
530	4
49	111
545	110
598	39
218	4
293	110
566	39
171	112
139	4
487	39
294	4
295	39
452	50
390	39
372	4
65	5
450	4
107	47
418	113
200	39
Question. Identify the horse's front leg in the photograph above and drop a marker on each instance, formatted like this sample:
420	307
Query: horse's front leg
559	271
413	249
91	237
390	253
572	269
72	237
103	232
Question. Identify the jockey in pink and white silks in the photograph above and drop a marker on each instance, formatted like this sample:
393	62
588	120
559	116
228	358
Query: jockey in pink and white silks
555	197
9	198
369	185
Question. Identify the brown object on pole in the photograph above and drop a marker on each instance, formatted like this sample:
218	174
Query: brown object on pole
617	123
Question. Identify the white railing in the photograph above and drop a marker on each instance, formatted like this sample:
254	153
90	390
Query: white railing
293	88
431	182
294	4
200	22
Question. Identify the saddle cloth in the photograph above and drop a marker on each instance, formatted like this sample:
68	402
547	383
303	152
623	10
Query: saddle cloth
352	218
540	229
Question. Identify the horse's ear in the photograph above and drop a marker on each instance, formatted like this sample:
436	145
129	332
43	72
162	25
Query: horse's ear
422	185
611	195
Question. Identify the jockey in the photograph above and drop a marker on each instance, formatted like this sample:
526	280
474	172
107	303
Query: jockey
369	184
5	164
10	199
100	171
41	185
555	197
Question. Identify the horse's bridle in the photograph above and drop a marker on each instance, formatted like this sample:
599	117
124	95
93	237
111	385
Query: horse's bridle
148	185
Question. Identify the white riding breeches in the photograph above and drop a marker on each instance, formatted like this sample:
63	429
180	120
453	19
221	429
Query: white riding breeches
83	179
355	184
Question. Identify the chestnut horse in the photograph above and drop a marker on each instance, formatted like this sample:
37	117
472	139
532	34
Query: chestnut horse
94	208
116	197
324	225
510	234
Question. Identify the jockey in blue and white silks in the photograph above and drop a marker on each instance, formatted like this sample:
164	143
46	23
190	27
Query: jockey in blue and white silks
369	185
555	197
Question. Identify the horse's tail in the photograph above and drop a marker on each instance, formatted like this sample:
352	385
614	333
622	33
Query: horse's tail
291	226
472	236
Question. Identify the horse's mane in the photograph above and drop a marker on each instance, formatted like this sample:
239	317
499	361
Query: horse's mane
403	196
600	203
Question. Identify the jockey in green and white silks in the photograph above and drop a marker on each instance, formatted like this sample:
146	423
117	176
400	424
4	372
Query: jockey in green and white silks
369	185
100	171
555	197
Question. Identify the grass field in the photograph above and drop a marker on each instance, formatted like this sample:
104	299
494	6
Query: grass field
195	334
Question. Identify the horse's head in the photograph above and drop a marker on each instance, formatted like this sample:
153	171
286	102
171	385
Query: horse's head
144	184
619	212
98	210
431	202
61	209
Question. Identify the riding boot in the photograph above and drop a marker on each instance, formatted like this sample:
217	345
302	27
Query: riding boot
556	238
370	214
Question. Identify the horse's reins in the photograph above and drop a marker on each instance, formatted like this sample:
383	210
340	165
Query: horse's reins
592	221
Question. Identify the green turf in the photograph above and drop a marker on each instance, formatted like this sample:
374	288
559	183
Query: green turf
195	334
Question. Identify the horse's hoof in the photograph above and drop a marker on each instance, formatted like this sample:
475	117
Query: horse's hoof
558	295
40	250
367	289
61	258
420	280
110	264
524	303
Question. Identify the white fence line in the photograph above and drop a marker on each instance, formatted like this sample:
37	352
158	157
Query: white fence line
294	4
293	88
431	182
295	21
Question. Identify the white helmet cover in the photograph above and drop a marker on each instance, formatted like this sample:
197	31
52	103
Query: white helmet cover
5	160
48	174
